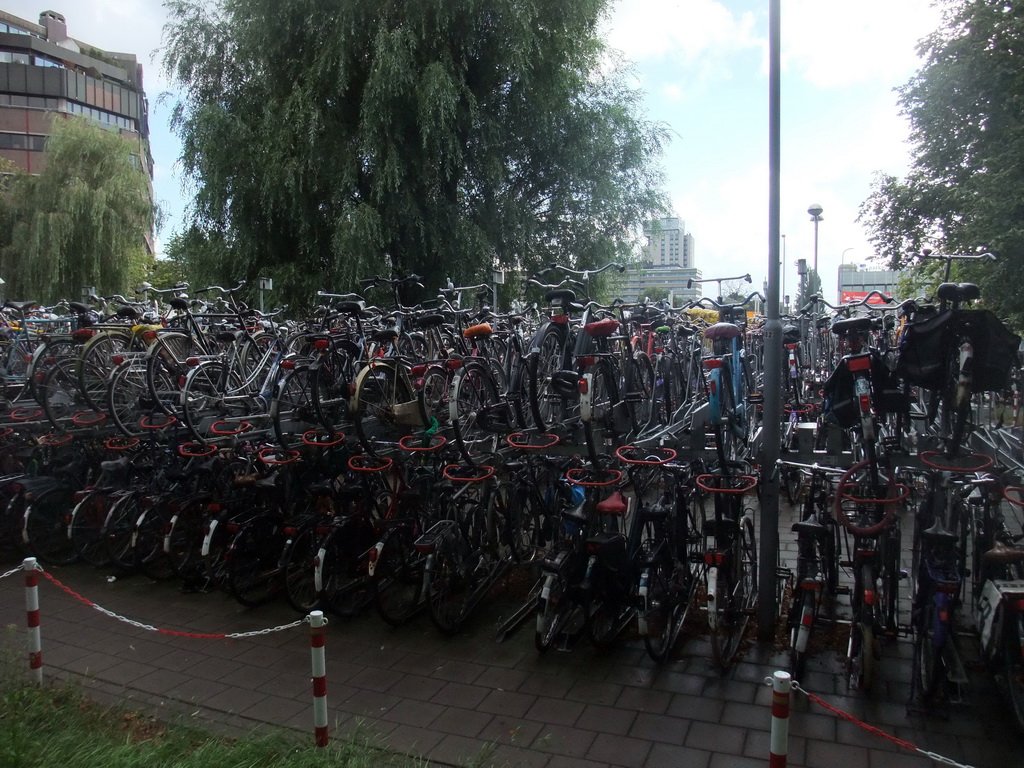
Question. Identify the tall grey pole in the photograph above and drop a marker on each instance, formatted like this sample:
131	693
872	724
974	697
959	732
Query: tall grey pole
767	608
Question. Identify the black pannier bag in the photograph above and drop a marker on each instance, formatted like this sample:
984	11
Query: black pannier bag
995	349
926	346
840	404
923	350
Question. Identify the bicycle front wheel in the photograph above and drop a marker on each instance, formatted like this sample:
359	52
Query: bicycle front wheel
735	597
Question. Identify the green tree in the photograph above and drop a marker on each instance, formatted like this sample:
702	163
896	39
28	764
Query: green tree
330	141
965	187
810	284
82	221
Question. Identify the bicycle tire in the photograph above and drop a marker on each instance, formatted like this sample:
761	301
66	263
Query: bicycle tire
861	657
129	399
397	582
86	529
150	556
638	390
95	364
802	622
45	526
666	605
448	589
299	563
559	614
253	573
379	395
473	392
736	600
183	543
15	357
546	405
331	389
928	665
432	397
60	396
166	369
292	411
599	423
119	531
344	567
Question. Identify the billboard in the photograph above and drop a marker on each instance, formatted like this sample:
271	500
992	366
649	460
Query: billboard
845	297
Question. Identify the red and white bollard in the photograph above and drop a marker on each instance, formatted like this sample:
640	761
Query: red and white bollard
35	641
781	684
316	636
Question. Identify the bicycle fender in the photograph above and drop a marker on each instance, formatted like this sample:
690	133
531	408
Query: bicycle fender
712	590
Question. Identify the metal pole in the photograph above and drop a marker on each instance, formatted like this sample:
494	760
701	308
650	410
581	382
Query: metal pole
767	609
316	633
779	739
35	650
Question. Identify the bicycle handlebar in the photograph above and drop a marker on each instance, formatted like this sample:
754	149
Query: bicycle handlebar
737	305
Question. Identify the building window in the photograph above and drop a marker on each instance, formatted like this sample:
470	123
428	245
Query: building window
22	141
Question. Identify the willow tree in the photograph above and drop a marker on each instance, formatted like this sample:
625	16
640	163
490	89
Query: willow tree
327	141
965	187
82	221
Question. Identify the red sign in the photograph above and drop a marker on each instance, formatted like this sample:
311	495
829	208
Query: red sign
845	297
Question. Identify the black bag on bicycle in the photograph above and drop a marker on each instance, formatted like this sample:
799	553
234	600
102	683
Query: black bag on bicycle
923	351
995	349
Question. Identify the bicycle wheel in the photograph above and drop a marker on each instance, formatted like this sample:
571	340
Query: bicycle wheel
665	604
129	398
209	396
166	369
928	666
344	567
473	393
803	614
735	596
86	526
448	589
292	411
253	556
520	534
546	404
300	568
150	556
433	397
183	542
331	389
119	531
15	356
598	419
638	393
397	580
559	615
45	527
95	364
60	396
860	657
382	402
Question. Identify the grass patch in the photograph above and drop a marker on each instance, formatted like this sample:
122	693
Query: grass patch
58	725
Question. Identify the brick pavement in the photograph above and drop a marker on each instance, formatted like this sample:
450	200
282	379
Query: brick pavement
453	700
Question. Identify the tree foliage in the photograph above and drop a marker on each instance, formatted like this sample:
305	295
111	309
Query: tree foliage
965	189
330	141
82	221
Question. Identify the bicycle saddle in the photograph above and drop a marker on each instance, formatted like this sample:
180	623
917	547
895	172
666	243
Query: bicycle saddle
560	296
958	291
20	306
1003	554
851	324
432	320
349	307
613	505
722	331
80	308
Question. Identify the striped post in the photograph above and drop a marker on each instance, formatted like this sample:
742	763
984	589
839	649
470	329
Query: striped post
35	649
316	636
781	683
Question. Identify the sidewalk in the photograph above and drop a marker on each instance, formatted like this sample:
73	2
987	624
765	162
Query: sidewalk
451	700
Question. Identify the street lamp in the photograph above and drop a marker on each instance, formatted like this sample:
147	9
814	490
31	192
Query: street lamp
815	210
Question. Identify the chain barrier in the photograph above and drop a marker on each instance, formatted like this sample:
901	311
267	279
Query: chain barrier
173	633
877	731
11	572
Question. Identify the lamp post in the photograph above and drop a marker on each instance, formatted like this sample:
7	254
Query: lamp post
815	210
842	263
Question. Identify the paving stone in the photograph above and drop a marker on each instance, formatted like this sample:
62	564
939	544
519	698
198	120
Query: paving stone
611	720
619	750
671	730
671	756
462	722
594	692
547	709
644	700
564	740
413	712
696	708
716	738
460	695
509	703
830	753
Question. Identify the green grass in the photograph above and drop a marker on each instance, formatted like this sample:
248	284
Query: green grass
59	726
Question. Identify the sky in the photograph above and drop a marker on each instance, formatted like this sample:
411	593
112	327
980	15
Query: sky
702	66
